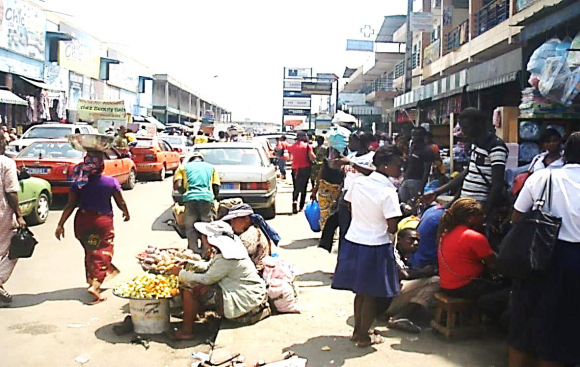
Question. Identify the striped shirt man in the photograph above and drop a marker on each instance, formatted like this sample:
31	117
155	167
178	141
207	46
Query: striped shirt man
492	152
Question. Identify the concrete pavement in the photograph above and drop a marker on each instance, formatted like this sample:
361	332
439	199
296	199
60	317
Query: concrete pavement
48	324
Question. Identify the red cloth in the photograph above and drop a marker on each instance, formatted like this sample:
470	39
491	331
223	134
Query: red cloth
95	232
434	148
283	147
299	152
463	249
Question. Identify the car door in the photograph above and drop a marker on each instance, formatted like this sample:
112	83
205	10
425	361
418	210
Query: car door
26	196
114	166
170	160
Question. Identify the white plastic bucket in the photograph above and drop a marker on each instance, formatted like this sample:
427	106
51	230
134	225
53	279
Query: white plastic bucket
150	316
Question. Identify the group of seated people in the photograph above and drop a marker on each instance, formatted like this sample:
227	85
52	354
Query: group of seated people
230	281
445	251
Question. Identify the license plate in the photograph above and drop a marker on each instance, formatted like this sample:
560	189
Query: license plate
38	170
230	186
146	165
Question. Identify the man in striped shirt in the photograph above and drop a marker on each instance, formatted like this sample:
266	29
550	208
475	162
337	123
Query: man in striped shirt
483	179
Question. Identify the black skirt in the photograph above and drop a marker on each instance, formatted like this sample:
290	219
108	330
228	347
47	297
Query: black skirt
545	318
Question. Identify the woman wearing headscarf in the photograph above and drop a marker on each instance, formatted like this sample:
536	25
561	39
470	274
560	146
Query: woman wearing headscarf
228	283
9	210
254	232
91	193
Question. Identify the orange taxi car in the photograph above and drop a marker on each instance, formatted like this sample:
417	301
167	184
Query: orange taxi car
154	157
53	160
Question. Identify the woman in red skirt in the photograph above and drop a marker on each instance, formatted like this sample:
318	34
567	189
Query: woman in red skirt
91	192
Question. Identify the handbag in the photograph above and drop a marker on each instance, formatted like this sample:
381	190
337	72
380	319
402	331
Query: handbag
22	244
526	251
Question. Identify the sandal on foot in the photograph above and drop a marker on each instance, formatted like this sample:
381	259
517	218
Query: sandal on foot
5	296
404	325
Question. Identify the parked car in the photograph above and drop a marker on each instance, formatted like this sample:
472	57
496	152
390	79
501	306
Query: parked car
34	198
46	131
53	161
181	144
154	156
268	147
245	172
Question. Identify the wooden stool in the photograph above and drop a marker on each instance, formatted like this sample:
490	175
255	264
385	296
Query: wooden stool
461	315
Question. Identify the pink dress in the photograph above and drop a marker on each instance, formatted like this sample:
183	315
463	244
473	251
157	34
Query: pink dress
8	184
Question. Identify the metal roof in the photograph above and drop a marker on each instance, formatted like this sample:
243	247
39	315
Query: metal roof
390	25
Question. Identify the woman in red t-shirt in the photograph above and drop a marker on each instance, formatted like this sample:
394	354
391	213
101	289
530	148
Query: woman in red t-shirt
464	253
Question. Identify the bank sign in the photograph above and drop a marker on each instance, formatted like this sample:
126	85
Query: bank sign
23	28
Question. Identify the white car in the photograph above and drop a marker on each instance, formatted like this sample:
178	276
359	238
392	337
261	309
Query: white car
183	144
245	172
46	131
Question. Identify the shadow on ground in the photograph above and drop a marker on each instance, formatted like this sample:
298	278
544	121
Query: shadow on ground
315	279
301	244
29	300
160	224
341	349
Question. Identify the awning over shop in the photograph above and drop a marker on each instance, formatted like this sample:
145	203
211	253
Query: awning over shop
493	82
501	70
549	17
449	93
8	97
138	118
42	85
155	122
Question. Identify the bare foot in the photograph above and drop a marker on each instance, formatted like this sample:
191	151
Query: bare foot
370	340
181	335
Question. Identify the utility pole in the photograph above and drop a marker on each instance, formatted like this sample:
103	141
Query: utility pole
409	50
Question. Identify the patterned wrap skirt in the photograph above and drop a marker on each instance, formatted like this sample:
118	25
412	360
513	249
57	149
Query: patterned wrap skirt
95	233
366	270
327	195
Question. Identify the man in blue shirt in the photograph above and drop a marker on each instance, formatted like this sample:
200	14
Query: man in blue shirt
426	254
199	182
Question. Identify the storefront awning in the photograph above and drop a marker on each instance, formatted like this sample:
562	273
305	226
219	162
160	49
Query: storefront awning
493	81
42	85
158	124
8	97
449	93
549	17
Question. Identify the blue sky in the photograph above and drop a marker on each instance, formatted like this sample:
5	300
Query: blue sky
245	42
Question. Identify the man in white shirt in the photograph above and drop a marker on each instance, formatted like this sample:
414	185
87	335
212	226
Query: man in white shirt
142	131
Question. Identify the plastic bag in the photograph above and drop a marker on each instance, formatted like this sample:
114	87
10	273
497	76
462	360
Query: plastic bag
528	151
538	58
553	77
22	244
530	130
312	212
284	296
574	57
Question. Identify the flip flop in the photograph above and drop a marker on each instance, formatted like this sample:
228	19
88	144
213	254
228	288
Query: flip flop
374	340
172	336
96	301
404	325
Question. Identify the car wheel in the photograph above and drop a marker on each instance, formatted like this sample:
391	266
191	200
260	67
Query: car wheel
270	213
131	180
41	210
162	173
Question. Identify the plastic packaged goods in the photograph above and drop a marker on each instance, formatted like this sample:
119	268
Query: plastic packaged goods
528	150
538	58
574	57
530	130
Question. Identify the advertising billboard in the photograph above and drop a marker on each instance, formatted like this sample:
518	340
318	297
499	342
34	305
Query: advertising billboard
288	112
321	89
81	55
299	103
23	28
422	22
352	99
297	73
92	110
293	85
360	45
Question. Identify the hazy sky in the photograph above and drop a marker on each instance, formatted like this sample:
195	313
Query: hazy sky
245	42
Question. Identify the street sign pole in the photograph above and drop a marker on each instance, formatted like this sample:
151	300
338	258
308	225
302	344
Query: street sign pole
409	50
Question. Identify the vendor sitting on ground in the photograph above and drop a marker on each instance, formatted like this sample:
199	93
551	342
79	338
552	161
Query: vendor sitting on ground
417	285
256	235
228	283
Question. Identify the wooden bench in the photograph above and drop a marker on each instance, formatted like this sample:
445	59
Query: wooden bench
455	316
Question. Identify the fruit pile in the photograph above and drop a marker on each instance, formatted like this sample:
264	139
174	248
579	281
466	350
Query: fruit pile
148	286
163	260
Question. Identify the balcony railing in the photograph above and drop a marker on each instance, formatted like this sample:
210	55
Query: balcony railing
379	85
432	52
400	69
491	15
457	37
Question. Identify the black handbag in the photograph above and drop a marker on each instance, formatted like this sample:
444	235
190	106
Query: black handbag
22	244
526	251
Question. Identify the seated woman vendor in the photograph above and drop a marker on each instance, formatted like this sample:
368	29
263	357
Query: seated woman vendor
228	283
253	231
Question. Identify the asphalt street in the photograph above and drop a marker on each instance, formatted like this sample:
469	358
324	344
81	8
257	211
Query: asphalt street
48	323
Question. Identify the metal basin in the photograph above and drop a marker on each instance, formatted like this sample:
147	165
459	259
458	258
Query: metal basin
90	142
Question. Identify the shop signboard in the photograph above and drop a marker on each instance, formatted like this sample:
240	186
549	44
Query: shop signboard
323	124
293	85
94	110
297	73
300	103
56	77
352	99
360	45
16	64
422	22
126	74
81	55
298	112
329	77
23	28
298	94
321	89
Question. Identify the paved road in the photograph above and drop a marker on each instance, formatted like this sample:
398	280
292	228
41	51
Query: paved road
48	324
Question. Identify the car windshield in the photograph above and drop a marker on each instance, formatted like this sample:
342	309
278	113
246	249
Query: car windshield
232	156
60	150
274	141
173	140
144	143
47	132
